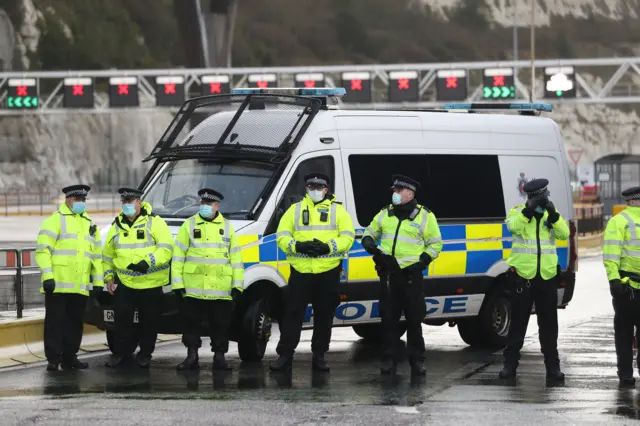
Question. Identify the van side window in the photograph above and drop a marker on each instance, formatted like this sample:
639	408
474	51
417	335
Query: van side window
296	188
454	187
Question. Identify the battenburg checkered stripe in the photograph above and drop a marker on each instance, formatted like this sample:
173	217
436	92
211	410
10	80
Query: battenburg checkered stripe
81	192
316	181
404	184
208	196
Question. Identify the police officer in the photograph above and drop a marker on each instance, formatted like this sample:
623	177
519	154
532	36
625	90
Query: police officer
410	240
68	254
535	226
315	234
621	256
207	271
137	255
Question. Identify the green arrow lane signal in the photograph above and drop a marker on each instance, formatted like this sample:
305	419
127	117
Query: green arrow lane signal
18	102
27	102
496	92
487	92
505	92
10	102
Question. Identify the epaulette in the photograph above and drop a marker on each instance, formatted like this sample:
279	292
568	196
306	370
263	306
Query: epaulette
424	208
336	202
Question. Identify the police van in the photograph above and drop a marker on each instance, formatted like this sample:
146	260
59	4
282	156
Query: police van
256	145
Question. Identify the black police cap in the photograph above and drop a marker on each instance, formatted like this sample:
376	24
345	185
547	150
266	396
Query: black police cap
317	179
401	181
631	193
76	190
535	187
128	194
208	194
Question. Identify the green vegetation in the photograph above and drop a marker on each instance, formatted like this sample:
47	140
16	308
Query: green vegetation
98	34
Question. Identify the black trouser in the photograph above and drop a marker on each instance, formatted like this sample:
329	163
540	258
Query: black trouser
148	302
321	290
403	292
217	312
544	293
63	324
627	316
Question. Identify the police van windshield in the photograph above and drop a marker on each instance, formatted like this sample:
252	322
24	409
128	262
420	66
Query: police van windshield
175	192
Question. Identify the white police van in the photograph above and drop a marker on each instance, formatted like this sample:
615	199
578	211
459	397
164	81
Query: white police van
256	144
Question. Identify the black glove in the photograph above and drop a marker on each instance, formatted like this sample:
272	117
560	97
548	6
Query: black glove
617	288
425	260
320	248
370	246
235	295
538	201
553	213
180	292
48	286
141	266
304	247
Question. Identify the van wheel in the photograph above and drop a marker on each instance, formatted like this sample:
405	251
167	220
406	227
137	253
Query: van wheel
255	333
491	327
373	332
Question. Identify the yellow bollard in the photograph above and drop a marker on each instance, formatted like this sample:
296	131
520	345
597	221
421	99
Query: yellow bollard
617	208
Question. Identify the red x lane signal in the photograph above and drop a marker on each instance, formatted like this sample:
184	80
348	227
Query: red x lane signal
356	85
452	82
498	80
215	88
310	84
170	89
123	89
77	90
21	90
403	84
262	84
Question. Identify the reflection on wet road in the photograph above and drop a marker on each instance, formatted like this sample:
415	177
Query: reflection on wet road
461	386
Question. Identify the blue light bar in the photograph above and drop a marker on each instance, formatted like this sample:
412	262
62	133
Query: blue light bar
490	106
319	91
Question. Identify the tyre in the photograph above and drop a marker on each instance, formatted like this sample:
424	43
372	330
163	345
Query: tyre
255	333
491	327
373	332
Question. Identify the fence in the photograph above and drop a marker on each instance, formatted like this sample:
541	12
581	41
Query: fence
590	218
19	280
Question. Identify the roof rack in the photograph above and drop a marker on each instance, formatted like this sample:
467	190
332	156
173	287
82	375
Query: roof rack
316	91
522	108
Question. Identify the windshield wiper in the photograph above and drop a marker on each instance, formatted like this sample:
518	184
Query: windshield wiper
246	214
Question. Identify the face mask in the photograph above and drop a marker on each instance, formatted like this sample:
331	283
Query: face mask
316	195
78	207
129	209
396	199
539	209
206	210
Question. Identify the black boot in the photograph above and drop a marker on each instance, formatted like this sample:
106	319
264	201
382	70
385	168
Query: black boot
627	381
508	372
143	360
388	367
554	374
319	363
74	364
282	364
417	368
219	363
115	361
191	361
52	366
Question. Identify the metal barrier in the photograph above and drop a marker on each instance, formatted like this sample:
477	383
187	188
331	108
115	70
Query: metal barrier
590	218
19	280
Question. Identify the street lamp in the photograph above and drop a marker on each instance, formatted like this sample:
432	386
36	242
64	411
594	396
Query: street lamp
533	49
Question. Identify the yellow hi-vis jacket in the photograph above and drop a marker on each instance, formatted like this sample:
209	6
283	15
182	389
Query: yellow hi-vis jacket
207	261
418	234
328	221
534	242
621	251
69	252
148	239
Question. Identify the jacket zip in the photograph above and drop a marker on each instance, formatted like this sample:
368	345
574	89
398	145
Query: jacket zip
395	238
538	243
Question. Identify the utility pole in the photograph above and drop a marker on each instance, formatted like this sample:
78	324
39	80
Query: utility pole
533	49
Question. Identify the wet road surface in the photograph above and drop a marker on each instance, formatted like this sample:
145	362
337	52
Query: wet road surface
461	386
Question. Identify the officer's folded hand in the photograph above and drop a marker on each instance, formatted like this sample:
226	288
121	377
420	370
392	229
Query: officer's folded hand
617	288
425	260
321	248
48	286
180	292
235	295
370	246
304	247
141	266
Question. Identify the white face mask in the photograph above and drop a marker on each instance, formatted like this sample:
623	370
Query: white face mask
396	199
316	195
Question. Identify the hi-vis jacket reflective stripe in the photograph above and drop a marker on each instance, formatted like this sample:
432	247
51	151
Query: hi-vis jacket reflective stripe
337	231
148	239
207	261
535	242
67	252
621	250
408	239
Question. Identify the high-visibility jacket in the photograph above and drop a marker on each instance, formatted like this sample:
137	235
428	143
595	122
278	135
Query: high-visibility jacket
406	240
148	239
69	251
327	221
533	245
621	252
207	261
